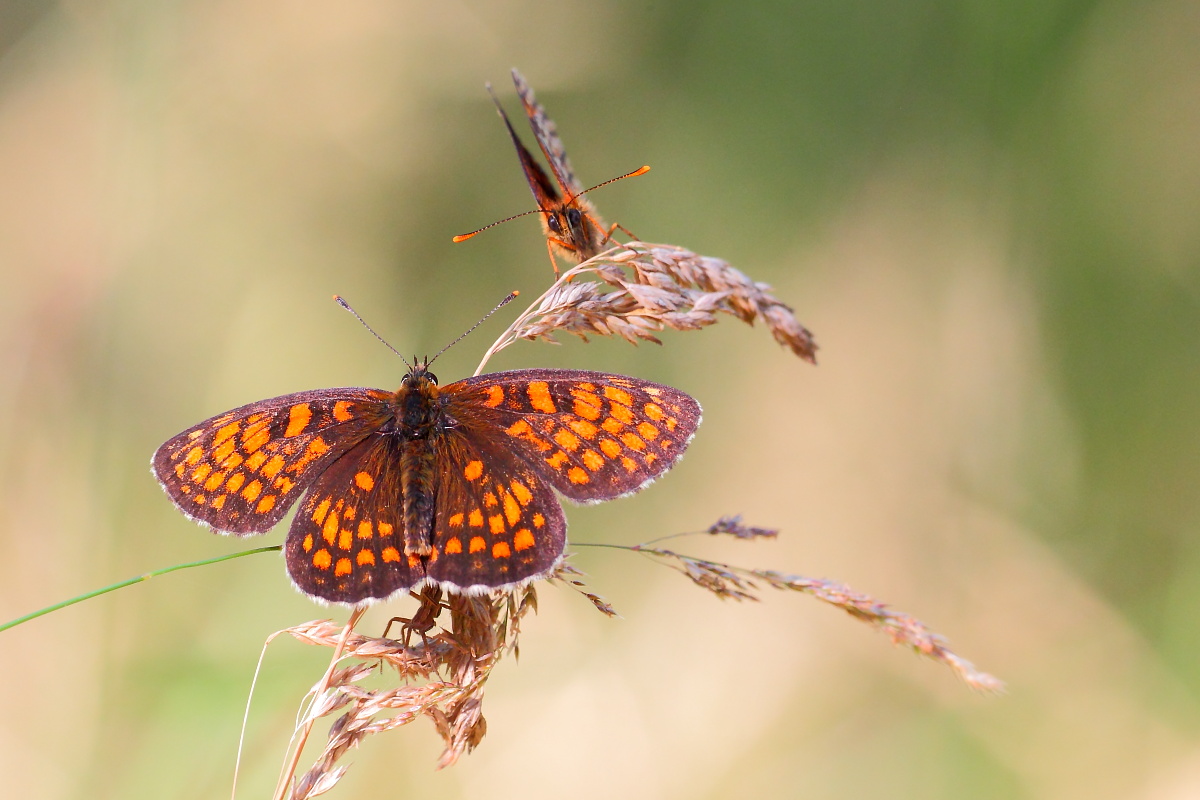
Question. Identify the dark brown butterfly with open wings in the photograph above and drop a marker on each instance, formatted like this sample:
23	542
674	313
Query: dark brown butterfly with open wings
448	485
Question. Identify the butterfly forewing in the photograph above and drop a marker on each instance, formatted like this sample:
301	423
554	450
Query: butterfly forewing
346	543
594	436
546	133
240	471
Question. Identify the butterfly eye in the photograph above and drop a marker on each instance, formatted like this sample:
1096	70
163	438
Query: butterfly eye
574	219
432	378
552	223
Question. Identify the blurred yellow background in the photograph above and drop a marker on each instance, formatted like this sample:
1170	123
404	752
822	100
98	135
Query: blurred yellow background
988	213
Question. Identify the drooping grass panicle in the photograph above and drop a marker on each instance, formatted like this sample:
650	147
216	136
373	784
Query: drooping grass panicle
740	583
637	290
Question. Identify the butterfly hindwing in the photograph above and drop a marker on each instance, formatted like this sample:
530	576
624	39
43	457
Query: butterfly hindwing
496	520
346	543
240	471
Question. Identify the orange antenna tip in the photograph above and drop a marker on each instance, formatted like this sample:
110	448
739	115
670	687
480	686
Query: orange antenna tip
462	237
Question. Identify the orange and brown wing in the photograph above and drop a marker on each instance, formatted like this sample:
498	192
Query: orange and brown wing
496	522
239	472
546	133
592	436
346	543
545	193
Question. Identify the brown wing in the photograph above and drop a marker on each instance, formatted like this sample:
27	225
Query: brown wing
593	436
545	193
496	521
546	133
346	543
239	472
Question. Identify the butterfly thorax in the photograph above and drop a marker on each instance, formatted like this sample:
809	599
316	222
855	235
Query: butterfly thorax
571	225
418	410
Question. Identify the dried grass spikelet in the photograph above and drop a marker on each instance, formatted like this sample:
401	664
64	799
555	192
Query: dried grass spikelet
738	583
440	671
641	289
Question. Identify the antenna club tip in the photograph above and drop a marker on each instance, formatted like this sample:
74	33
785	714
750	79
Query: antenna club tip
462	237
516	293
644	169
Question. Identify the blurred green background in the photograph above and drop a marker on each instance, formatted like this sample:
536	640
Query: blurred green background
988	212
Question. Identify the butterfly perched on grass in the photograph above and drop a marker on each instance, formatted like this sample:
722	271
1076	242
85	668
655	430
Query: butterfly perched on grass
448	485
570	223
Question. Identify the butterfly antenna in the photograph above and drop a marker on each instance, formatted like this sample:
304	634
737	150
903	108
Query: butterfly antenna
511	296
338	299
642	170
462	237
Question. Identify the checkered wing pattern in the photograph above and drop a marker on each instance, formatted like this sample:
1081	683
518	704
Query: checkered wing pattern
497	521
241	471
593	436
346	543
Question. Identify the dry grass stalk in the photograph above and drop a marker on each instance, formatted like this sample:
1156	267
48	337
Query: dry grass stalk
739	583
641	289
441	675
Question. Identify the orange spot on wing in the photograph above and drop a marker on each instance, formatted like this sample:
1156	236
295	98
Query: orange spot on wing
577	476
345	539
341	411
593	460
321	559
330	528
654	411
385	528
621	413
233	461
523	540
454	546
566	440
522	493
364	529
414	560
225	450
365	558
671	423
651	458
512	511
473	470
475	519
587	410
629	464
364	481
320	511
284	484
218	501
618	395
539	397
390	554
227	432
496	524
266	504
518	428
648	431
584	428
255	437
538	520
611	447
256	460
495	396
343	567
201	472
489	500
214	481
308	543
501	550
456	520
633	442
558	459
252	491
299	416
611	425
273	467
477	544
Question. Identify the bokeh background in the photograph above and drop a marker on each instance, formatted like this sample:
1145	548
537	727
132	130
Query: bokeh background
988	212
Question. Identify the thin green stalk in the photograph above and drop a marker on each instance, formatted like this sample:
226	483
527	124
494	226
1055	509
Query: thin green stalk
144	577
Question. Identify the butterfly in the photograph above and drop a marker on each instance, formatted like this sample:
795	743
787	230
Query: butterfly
570	223
450	485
